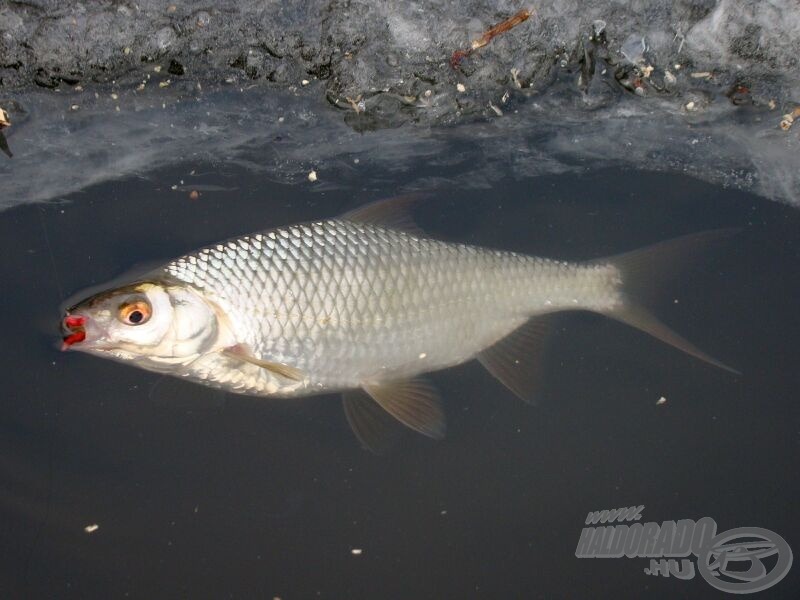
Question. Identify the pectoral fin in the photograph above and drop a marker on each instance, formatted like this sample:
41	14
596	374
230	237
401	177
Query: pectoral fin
242	352
516	360
374	427
413	402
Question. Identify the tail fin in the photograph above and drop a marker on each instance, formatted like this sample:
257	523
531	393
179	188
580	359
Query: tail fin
643	270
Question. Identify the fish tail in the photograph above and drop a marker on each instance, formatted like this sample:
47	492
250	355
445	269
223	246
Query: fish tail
641	274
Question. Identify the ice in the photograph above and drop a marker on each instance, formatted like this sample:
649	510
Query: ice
693	86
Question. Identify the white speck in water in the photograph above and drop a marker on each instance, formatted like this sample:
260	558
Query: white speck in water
312	176
91	528
461	87
356	551
422	355
661	401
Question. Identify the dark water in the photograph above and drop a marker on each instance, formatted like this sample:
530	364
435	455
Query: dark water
200	495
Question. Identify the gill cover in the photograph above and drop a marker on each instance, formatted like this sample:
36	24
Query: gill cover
164	323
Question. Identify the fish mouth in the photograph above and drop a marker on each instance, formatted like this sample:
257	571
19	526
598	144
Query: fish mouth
74	330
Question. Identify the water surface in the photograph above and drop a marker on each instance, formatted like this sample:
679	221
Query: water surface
200	494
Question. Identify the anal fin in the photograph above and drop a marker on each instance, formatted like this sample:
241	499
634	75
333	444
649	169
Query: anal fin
414	402
516	360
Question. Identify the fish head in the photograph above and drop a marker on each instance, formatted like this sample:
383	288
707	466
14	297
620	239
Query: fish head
147	321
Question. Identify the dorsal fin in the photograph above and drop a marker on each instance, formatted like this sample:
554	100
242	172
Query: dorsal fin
391	213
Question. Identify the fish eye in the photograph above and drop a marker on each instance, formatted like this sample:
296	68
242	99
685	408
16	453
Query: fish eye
135	313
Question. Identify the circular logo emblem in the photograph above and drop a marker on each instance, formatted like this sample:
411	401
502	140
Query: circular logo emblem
743	560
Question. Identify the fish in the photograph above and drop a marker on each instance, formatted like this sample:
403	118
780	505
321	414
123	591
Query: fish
366	305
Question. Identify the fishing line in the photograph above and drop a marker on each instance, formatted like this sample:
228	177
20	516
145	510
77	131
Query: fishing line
40	212
51	445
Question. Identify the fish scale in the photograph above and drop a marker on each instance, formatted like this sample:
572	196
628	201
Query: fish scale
363	303
346	302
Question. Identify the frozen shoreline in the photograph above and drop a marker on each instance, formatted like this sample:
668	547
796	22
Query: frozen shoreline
97	92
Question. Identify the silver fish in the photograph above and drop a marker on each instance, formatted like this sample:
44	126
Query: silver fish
362	304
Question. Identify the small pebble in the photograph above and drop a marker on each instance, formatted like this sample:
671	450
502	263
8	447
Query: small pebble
356	551
312	176
91	528
661	401
461	87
